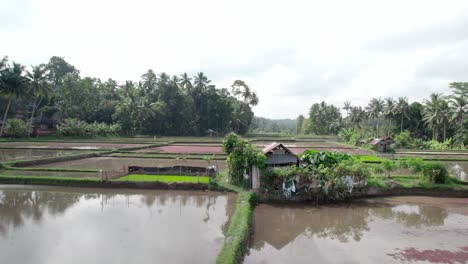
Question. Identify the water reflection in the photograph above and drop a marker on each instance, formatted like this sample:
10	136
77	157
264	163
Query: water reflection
365	231
172	226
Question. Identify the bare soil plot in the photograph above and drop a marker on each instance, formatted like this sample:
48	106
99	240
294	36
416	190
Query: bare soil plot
184	149
29	154
69	145
118	164
70	174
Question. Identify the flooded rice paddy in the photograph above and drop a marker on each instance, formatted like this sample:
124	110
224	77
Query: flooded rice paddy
70	145
28	154
382	230
185	149
68	225
118	164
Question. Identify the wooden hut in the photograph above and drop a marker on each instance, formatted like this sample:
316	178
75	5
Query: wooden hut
381	144
278	155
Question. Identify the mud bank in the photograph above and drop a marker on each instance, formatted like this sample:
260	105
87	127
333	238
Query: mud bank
369	192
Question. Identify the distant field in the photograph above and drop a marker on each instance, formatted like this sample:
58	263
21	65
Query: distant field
184	149
117	164
69	145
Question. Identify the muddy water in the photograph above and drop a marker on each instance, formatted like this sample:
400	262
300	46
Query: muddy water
384	230
117	164
70	145
28	154
67	225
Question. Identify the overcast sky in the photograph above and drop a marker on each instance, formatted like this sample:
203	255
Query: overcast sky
292	53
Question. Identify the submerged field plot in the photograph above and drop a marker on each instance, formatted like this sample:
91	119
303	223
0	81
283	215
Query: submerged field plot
111	226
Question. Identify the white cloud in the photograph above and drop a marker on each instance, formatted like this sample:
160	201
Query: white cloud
299	52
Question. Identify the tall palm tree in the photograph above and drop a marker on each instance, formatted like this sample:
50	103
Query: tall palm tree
201	81
14	86
459	108
185	82
374	110
357	116
388	111
431	112
402	109
40	86
444	116
347	107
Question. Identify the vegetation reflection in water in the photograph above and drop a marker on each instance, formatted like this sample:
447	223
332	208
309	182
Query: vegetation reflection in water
59	225
367	231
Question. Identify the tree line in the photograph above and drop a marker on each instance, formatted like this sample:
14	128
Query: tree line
439	118
158	104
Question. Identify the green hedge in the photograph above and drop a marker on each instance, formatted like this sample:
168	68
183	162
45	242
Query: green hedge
239	231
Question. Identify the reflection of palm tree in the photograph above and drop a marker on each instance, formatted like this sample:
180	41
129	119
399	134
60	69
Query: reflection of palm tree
16	206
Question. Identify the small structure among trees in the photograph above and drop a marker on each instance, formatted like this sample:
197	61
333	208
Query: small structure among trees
278	155
381	144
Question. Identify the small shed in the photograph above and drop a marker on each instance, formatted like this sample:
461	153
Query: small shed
211	132
278	155
381	144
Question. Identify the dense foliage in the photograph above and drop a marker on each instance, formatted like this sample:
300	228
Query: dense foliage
76	127
241	157
313	158
439	118
17	128
156	104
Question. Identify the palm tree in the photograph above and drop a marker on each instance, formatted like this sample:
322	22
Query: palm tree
402	108
14	86
459	107
185	82
40	86
357	116
347	107
375	109
431	112
201	81
444	116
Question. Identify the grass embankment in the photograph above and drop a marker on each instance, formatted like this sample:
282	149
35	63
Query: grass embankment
47	180
164	178
239	231
385	183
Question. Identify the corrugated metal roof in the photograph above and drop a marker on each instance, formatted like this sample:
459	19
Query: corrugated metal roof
274	146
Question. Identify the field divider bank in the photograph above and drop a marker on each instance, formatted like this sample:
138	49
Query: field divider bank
34	162
239	232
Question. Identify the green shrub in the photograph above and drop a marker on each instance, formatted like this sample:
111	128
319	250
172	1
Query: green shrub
241	157
404	139
76	127
435	172
17	128
312	158
389	166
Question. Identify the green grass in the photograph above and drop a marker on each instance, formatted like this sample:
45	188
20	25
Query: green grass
238	234
409	181
369	158
49	180
165	178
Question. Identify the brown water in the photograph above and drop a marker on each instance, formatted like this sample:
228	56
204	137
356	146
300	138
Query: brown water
68	225
117	164
383	230
28	154
70	145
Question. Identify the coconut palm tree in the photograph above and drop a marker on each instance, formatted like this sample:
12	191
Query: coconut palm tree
402	108
459	107
374	110
347	107
14	86
357	116
201	81
431	112
444	116
185	82
40	86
